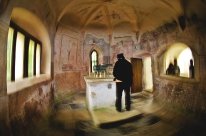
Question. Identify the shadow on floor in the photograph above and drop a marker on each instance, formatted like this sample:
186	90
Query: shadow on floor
70	117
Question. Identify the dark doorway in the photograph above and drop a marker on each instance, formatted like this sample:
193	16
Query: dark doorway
137	75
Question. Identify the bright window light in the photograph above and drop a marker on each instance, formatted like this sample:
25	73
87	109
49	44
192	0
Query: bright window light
38	51
19	56
94	60
31	58
9	52
184	62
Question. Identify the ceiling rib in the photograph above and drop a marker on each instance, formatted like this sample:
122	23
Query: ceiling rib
171	8
90	16
135	12
109	23
65	10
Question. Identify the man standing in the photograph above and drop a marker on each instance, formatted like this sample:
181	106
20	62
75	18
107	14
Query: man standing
123	76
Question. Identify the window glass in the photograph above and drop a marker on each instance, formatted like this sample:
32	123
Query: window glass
38	52
19	58
31	58
94	59
9	52
23	54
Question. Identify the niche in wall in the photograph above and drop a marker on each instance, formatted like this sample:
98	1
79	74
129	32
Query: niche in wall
183	54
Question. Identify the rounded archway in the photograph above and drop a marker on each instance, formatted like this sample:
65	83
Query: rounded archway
180	52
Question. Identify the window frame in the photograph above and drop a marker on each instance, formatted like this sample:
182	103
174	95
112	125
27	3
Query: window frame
27	39
91	61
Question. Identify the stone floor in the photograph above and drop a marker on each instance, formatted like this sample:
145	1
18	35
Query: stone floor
71	118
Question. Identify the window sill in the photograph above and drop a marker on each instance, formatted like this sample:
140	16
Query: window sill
179	78
13	87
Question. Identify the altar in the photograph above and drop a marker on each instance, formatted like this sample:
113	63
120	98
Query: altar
100	92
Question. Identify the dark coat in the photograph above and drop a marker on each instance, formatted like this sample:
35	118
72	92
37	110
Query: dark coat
123	71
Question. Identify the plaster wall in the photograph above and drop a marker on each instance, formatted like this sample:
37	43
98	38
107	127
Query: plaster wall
29	106
68	60
147	74
178	92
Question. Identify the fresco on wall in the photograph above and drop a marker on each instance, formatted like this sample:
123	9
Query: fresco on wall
151	40
124	45
97	42
68	53
68	56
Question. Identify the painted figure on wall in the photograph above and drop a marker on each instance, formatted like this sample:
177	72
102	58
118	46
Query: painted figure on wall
191	69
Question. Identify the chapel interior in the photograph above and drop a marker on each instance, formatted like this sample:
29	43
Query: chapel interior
57	58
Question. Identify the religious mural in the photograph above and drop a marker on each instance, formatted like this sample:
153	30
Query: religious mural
68	53
123	44
97	42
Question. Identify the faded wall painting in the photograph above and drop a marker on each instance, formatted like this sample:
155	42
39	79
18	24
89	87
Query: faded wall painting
68	66
97	42
124	45
68	58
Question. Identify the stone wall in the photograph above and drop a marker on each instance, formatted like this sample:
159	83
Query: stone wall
185	95
35	99
178	92
4	119
30	105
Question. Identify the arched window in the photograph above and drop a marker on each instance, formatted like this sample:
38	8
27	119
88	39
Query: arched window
93	60
180	53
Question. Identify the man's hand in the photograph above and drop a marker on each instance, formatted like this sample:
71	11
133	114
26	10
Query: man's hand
118	80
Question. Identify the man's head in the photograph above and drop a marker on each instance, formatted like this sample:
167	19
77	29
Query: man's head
120	56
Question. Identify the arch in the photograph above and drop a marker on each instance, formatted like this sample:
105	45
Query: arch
93	59
100	55
182	53
32	24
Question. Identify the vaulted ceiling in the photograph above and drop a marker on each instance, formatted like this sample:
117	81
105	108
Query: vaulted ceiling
137	15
